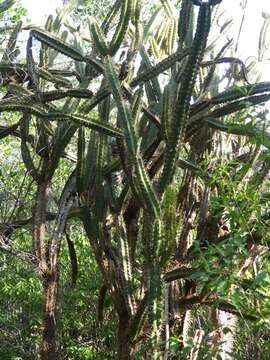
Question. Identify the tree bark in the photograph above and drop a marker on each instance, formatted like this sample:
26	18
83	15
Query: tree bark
124	347
49	337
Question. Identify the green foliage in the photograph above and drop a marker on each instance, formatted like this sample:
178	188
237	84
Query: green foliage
126	143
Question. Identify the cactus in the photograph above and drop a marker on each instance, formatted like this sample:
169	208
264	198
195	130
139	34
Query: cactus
134	133
122	26
55	43
182	109
11	45
5	5
98	38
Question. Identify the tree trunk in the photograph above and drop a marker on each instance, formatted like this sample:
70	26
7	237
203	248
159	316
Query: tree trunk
223	343
124	348
49	343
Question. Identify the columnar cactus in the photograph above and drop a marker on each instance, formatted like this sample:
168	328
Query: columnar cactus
132	220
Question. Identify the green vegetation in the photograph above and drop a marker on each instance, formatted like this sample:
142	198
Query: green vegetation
134	217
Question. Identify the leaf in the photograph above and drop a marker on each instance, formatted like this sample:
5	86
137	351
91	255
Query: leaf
259	279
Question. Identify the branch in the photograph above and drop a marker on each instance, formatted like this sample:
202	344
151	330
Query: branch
211	299
180	273
8	228
66	202
7	247
229	60
261	135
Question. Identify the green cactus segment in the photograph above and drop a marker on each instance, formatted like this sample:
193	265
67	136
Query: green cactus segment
125	116
137	7
114	165
65	130
104	114
57	116
19	90
61	138
11	68
162	66
98	38
80	171
48	96
26	155
60	94
93	229
138	319
136	22
49	23
120	32
153	89
136	106
101	157
145	76
9	107
261	136
110	16
158	240
184	20
28	161
11	45
172	32
57	44
21	71
167	107
240	92
214	2
104	110
44	51
55	79
31	66
141	181
169	222
166	111
95	100
127	270
5	5
182	104
91	124
239	105
155	311
146	192
90	161
233	93
154	298
67	73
